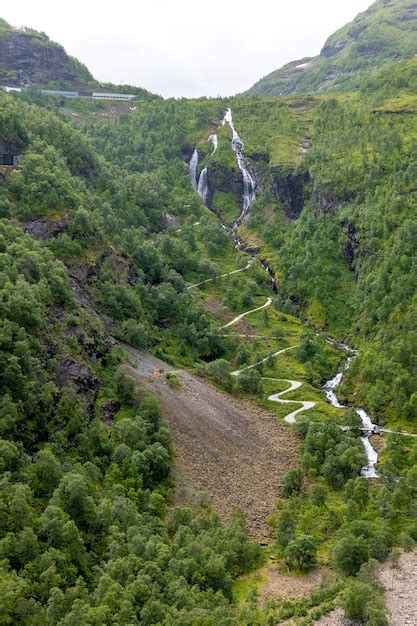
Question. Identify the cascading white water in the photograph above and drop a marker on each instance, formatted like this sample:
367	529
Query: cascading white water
369	470
215	141
249	185
203	185
200	183
193	169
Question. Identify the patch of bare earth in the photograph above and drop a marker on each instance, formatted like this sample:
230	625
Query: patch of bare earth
282	585
243	328
335	618
378	443
216	308
401	590
231	450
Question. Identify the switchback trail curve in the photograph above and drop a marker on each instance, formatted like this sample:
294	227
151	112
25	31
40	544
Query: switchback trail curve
210	280
293	384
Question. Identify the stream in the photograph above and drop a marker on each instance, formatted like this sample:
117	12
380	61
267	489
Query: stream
200	183
369	470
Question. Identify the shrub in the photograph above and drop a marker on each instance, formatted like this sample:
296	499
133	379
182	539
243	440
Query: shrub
251	381
302	552
349	553
293	482
355	598
173	380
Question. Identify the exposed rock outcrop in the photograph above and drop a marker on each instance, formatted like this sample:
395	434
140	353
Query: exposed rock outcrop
170	222
290	188
351	249
45	229
326	200
224	180
28	57
109	410
81	377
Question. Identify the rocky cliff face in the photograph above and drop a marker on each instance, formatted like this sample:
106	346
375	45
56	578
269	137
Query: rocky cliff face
226	181
290	189
28	57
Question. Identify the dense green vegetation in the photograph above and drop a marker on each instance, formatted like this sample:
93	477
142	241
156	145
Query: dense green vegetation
356	262
84	531
101	237
384	33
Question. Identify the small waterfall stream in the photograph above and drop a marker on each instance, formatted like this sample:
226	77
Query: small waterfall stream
369	470
203	185
193	170
249	184
200	183
215	141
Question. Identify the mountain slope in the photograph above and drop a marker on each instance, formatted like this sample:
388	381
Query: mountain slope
385	32
27	57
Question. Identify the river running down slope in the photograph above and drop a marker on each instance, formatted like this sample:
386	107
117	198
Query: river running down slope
369	470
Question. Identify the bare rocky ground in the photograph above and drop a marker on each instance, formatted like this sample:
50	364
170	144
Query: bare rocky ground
401	590
335	618
234	452
282	585
400	585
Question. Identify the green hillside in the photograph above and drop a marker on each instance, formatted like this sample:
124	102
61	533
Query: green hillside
385	32
107	251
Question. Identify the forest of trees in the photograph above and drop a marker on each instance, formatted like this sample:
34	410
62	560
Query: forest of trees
86	536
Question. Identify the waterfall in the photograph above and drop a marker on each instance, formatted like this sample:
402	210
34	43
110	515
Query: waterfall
214	140
203	185
200	184
369	470
193	169
249	184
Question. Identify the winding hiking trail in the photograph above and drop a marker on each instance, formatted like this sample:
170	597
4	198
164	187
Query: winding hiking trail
293	384
210	280
242	315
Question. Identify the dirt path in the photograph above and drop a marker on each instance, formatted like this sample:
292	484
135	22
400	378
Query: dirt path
277	397
242	315
232	450
210	280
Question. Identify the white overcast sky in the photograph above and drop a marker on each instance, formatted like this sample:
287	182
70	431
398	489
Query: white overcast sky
186	47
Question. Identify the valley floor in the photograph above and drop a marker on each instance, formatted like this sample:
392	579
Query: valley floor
233	451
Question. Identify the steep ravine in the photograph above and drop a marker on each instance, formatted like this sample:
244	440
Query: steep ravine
292	191
368	428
